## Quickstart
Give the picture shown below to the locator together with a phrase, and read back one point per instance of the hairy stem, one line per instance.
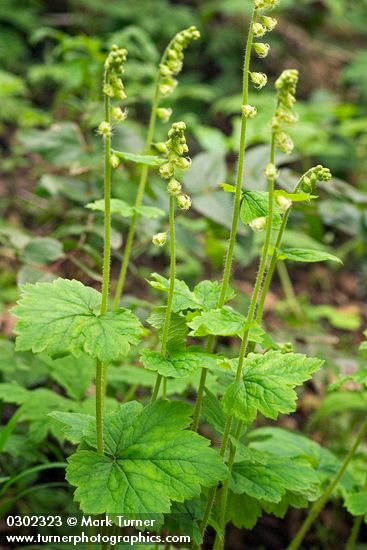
(100, 367)
(235, 216)
(172, 275)
(319, 504)
(244, 347)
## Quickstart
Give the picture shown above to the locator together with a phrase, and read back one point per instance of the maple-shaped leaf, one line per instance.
(150, 460)
(267, 385)
(63, 318)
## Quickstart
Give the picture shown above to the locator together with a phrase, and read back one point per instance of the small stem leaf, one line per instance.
(255, 204)
(125, 210)
(148, 160)
(63, 318)
(295, 197)
(267, 385)
(178, 364)
(306, 255)
(150, 460)
(208, 292)
(219, 322)
(183, 298)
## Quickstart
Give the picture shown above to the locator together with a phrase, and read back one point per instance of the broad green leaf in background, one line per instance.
(42, 250)
(220, 322)
(63, 318)
(267, 385)
(306, 255)
(177, 364)
(144, 448)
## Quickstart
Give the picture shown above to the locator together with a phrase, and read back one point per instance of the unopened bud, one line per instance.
(114, 161)
(259, 80)
(283, 203)
(118, 114)
(270, 171)
(164, 114)
(269, 22)
(258, 224)
(258, 30)
(159, 239)
(105, 129)
(249, 111)
(261, 49)
(174, 187)
(184, 202)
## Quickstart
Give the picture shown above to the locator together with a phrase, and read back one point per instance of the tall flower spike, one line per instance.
(172, 63)
(286, 86)
(175, 148)
(114, 69)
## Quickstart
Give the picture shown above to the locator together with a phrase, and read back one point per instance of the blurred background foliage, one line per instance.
(51, 62)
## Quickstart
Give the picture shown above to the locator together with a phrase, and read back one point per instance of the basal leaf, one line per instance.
(63, 318)
(255, 204)
(150, 460)
(177, 364)
(74, 424)
(294, 475)
(220, 322)
(256, 481)
(267, 385)
(242, 510)
(306, 255)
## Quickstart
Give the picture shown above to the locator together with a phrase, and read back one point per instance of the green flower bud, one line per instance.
(164, 114)
(118, 114)
(108, 90)
(269, 23)
(174, 187)
(161, 147)
(270, 171)
(286, 347)
(159, 239)
(283, 203)
(114, 161)
(284, 142)
(249, 111)
(265, 4)
(261, 49)
(105, 129)
(306, 186)
(258, 224)
(259, 80)
(184, 202)
(166, 170)
(258, 30)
